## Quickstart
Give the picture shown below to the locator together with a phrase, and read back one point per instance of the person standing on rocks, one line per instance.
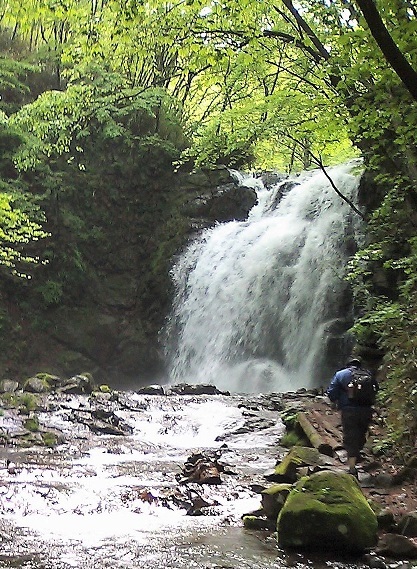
(353, 389)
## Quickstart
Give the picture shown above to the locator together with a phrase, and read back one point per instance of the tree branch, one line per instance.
(389, 48)
(322, 167)
(306, 28)
(319, 162)
(287, 38)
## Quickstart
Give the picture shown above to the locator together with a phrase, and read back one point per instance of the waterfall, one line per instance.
(256, 300)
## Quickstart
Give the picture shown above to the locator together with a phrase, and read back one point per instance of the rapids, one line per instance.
(81, 505)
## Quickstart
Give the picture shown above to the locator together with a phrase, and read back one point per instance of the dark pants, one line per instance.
(355, 424)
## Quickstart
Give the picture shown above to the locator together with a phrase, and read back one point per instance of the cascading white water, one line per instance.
(255, 299)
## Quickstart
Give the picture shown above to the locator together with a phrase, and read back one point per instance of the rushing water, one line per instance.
(256, 299)
(81, 505)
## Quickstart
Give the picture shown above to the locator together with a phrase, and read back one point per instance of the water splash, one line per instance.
(255, 299)
(87, 493)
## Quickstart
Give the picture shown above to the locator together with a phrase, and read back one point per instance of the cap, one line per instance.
(354, 362)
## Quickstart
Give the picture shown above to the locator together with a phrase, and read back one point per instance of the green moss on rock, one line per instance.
(258, 523)
(32, 424)
(37, 384)
(327, 510)
(25, 402)
(297, 457)
(273, 499)
(49, 439)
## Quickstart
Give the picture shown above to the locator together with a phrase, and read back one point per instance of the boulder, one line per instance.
(327, 511)
(78, 385)
(202, 469)
(386, 519)
(397, 546)
(43, 382)
(299, 457)
(407, 525)
(198, 389)
(151, 390)
(37, 384)
(273, 499)
(8, 386)
(228, 202)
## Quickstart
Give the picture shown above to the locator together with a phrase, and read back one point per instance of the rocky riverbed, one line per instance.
(142, 479)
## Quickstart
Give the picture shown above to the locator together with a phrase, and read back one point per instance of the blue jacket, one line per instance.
(337, 391)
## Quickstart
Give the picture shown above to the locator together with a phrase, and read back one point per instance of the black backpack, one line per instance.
(361, 389)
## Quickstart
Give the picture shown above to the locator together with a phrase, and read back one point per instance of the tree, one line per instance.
(21, 220)
(389, 48)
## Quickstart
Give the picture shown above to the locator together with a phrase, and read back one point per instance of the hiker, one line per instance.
(353, 389)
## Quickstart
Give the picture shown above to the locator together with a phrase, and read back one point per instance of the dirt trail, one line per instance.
(375, 472)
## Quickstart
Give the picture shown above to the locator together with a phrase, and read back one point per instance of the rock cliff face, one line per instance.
(108, 320)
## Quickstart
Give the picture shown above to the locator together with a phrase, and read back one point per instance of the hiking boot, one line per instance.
(353, 472)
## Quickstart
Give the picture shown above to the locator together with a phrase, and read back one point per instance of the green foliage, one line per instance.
(383, 446)
(13, 81)
(21, 220)
(238, 88)
(51, 292)
(17, 229)
(391, 326)
(290, 418)
(61, 123)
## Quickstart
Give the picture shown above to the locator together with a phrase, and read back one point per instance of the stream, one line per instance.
(101, 501)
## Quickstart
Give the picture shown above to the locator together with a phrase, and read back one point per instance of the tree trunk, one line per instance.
(388, 47)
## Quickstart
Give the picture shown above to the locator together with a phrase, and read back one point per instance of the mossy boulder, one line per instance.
(257, 523)
(298, 457)
(327, 511)
(38, 384)
(79, 384)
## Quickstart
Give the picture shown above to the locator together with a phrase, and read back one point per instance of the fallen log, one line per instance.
(324, 444)
(326, 426)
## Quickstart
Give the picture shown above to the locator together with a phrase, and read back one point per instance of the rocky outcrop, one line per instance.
(227, 203)
(44, 383)
(197, 389)
(216, 196)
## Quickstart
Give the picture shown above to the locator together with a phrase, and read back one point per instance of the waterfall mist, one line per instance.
(257, 301)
